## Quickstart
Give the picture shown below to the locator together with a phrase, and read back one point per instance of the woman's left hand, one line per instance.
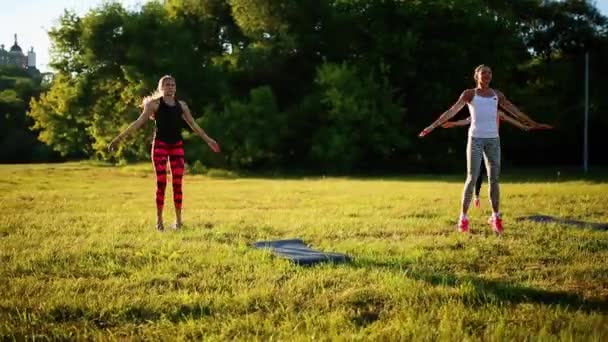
(425, 131)
(213, 145)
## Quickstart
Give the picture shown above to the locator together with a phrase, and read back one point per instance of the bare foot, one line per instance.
(160, 227)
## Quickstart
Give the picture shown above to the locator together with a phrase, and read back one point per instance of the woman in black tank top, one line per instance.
(168, 120)
(168, 114)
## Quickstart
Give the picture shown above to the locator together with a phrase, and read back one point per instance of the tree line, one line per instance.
(333, 85)
(18, 143)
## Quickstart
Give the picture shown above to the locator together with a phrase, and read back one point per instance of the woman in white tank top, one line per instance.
(484, 140)
(466, 122)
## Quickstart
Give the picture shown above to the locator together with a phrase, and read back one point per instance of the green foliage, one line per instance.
(117, 104)
(362, 123)
(251, 131)
(66, 48)
(318, 83)
(196, 168)
(17, 142)
(10, 99)
(61, 119)
(260, 17)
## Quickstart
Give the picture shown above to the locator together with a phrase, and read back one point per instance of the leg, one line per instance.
(159, 160)
(176, 159)
(479, 179)
(492, 156)
(474, 153)
(478, 185)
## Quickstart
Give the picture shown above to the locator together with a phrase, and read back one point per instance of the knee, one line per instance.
(471, 177)
(468, 180)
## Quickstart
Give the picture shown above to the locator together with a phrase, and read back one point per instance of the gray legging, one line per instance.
(478, 148)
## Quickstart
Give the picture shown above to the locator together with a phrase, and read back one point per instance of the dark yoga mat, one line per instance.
(551, 219)
(296, 251)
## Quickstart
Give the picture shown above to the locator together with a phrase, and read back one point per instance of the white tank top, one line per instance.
(484, 116)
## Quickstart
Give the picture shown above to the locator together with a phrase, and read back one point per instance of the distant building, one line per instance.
(15, 57)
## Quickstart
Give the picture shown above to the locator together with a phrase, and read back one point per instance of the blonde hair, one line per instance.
(158, 93)
(477, 69)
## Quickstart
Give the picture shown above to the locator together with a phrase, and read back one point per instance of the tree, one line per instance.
(338, 83)
(17, 142)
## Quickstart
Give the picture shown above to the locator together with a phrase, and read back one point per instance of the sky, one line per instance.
(31, 19)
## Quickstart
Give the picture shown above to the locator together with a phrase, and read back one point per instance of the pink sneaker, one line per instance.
(477, 203)
(496, 223)
(463, 225)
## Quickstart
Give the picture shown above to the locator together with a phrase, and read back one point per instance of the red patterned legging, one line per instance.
(162, 151)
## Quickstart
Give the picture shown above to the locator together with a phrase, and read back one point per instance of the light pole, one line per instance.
(586, 126)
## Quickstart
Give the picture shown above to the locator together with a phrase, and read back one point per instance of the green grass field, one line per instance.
(80, 259)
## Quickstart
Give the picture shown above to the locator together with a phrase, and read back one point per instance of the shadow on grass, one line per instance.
(491, 291)
(563, 221)
(133, 314)
(548, 174)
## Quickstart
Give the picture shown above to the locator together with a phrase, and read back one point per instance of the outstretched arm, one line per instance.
(197, 129)
(465, 97)
(149, 109)
(510, 108)
(512, 121)
(463, 122)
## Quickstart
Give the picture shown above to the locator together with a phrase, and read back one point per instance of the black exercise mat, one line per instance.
(296, 251)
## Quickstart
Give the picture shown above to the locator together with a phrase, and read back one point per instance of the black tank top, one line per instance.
(169, 122)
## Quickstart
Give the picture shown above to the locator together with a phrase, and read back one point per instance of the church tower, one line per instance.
(16, 56)
(3, 55)
(31, 58)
